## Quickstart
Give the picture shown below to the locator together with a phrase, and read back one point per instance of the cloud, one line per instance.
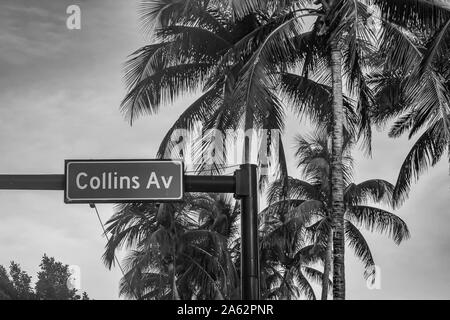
(29, 32)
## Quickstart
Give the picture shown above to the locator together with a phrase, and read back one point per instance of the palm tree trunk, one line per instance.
(337, 178)
(175, 293)
(248, 139)
(327, 265)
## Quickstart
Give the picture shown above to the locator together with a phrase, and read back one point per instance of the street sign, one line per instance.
(115, 181)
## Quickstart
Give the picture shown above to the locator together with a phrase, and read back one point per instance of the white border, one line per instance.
(179, 162)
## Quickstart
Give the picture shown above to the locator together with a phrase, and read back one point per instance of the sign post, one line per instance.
(247, 192)
(119, 181)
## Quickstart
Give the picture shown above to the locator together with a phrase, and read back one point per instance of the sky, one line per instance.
(60, 92)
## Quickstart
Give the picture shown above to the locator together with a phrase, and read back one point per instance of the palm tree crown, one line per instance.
(310, 200)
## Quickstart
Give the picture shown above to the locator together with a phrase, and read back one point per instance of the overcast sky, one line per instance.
(60, 92)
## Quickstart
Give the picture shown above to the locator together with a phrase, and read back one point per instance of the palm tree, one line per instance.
(176, 251)
(339, 28)
(310, 199)
(287, 260)
(199, 45)
(347, 38)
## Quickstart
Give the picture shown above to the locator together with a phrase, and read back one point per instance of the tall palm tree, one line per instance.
(176, 251)
(346, 37)
(311, 200)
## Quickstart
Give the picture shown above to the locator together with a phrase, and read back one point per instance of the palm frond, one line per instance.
(314, 158)
(199, 111)
(430, 100)
(296, 189)
(438, 46)
(163, 86)
(375, 190)
(304, 285)
(282, 163)
(426, 152)
(145, 61)
(163, 13)
(241, 8)
(312, 99)
(389, 95)
(193, 42)
(414, 13)
(315, 275)
(356, 241)
(399, 47)
(374, 219)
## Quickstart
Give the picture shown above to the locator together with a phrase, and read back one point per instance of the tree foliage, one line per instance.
(51, 284)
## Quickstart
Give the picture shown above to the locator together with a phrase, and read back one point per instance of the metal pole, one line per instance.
(247, 191)
(212, 184)
(223, 184)
(32, 181)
